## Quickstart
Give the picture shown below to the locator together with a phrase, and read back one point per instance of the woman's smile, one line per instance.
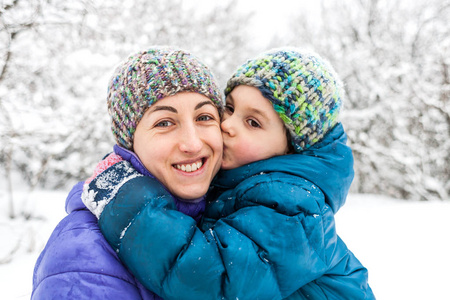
(190, 167)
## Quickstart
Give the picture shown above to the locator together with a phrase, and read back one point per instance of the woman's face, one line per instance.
(180, 142)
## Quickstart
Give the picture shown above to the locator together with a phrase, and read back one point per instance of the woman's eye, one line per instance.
(204, 118)
(253, 123)
(164, 124)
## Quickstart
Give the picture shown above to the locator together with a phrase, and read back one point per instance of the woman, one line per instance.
(165, 109)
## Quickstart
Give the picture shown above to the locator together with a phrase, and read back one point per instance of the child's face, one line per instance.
(251, 128)
(179, 141)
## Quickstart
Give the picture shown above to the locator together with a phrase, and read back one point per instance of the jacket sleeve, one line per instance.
(78, 263)
(267, 249)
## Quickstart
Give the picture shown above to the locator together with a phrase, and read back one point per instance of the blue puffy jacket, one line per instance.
(268, 233)
(310, 187)
(78, 263)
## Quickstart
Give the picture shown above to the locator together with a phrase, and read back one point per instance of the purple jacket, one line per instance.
(78, 263)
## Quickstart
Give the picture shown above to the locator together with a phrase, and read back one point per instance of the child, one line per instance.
(268, 230)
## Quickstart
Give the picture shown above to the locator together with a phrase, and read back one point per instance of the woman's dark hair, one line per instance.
(291, 149)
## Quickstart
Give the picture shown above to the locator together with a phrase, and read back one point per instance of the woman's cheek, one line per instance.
(216, 139)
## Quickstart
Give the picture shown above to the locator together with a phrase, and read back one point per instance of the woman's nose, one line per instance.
(190, 140)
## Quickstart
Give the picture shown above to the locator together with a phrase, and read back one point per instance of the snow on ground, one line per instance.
(405, 245)
(29, 237)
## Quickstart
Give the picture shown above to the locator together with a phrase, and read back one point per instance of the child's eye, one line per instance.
(164, 124)
(253, 123)
(229, 108)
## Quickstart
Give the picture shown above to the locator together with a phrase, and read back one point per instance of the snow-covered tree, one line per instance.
(55, 61)
(394, 59)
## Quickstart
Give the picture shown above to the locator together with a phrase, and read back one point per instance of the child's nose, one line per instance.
(227, 126)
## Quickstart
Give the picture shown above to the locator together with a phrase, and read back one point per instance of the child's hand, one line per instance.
(109, 175)
(107, 162)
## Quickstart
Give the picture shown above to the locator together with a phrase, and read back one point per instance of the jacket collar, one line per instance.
(328, 165)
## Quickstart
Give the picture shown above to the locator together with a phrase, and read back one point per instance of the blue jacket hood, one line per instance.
(328, 165)
(73, 200)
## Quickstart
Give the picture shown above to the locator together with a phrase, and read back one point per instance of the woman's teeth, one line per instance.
(190, 167)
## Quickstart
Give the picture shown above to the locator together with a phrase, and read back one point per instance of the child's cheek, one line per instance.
(246, 152)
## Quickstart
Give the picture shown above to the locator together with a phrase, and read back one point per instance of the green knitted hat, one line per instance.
(303, 88)
(149, 76)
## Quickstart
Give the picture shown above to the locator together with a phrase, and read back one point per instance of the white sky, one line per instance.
(269, 18)
(275, 16)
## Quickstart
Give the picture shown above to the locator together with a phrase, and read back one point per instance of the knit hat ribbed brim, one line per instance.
(149, 76)
(303, 88)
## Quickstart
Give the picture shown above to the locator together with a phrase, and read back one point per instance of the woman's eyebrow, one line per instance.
(173, 109)
(201, 104)
(164, 107)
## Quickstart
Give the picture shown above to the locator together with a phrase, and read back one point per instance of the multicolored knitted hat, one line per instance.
(303, 88)
(149, 76)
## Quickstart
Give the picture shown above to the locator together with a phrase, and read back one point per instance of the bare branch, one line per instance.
(8, 7)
